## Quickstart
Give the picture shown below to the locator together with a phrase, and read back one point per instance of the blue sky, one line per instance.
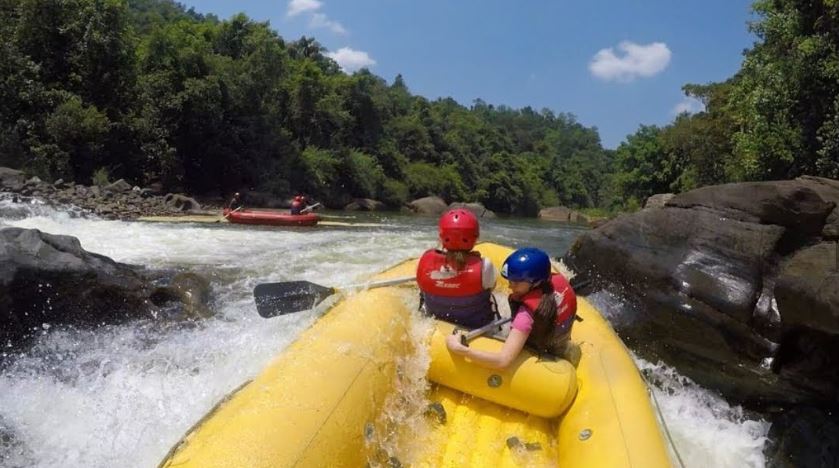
(614, 64)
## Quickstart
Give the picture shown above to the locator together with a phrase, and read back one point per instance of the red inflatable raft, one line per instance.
(270, 218)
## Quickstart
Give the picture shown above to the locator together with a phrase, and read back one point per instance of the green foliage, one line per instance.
(100, 177)
(424, 179)
(783, 102)
(394, 193)
(154, 92)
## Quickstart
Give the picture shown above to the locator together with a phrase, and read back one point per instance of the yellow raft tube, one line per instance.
(343, 395)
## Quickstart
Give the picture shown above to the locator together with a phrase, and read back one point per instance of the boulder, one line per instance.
(50, 279)
(563, 214)
(723, 280)
(428, 206)
(181, 202)
(803, 437)
(478, 209)
(120, 186)
(658, 200)
(191, 294)
(11, 179)
(365, 204)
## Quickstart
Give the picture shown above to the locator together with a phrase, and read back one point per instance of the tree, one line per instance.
(784, 98)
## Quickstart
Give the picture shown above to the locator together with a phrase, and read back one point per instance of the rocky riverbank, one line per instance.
(737, 286)
(117, 200)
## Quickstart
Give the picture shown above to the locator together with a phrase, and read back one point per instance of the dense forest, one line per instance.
(149, 91)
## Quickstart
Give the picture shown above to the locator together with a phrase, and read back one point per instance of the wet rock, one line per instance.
(807, 289)
(803, 437)
(727, 279)
(191, 291)
(49, 279)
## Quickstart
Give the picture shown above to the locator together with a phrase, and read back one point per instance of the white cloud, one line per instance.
(636, 61)
(319, 20)
(689, 105)
(295, 7)
(351, 60)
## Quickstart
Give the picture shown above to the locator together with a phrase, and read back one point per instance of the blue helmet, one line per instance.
(527, 264)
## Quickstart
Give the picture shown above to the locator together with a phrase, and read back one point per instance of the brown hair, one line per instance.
(544, 318)
(457, 258)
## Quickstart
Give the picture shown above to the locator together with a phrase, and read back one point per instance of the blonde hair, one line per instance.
(458, 258)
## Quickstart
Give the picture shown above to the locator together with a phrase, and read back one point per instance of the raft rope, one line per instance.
(661, 418)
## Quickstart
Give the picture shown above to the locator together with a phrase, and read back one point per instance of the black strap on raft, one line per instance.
(494, 305)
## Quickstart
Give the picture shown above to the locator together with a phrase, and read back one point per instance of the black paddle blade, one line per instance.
(274, 299)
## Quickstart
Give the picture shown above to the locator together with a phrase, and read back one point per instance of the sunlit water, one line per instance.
(123, 395)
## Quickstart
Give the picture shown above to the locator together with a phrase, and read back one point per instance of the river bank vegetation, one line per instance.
(151, 92)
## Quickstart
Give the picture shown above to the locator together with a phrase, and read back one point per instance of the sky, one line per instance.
(615, 65)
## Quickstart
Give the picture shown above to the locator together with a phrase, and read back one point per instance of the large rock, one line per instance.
(658, 200)
(803, 437)
(428, 206)
(119, 186)
(49, 279)
(11, 179)
(181, 202)
(189, 293)
(727, 279)
(478, 209)
(562, 214)
(365, 204)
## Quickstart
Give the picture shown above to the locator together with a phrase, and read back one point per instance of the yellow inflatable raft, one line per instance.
(346, 393)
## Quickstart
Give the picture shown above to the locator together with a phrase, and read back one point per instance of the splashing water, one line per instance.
(123, 395)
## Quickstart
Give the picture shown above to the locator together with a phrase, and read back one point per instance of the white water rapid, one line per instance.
(123, 395)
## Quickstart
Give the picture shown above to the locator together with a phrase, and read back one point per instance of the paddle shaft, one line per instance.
(382, 283)
(467, 337)
(282, 298)
(231, 212)
(310, 207)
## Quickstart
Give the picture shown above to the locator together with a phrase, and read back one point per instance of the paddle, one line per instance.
(310, 208)
(282, 298)
(224, 216)
(467, 337)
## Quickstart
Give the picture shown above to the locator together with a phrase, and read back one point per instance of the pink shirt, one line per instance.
(523, 321)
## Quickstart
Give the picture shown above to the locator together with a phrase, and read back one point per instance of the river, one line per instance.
(123, 395)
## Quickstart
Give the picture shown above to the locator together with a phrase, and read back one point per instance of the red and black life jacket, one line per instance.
(566, 302)
(456, 296)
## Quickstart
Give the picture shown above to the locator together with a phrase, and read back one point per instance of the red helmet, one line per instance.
(459, 229)
(298, 198)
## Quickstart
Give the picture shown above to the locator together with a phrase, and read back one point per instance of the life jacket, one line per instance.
(456, 296)
(296, 205)
(566, 303)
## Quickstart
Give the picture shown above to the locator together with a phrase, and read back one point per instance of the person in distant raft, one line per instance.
(544, 307)
(297, 204)
(456, 283)
(235, 202)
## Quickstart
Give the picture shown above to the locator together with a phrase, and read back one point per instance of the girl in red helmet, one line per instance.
(455, 282)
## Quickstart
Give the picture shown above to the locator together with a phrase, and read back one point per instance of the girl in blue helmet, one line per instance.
(543, 305)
